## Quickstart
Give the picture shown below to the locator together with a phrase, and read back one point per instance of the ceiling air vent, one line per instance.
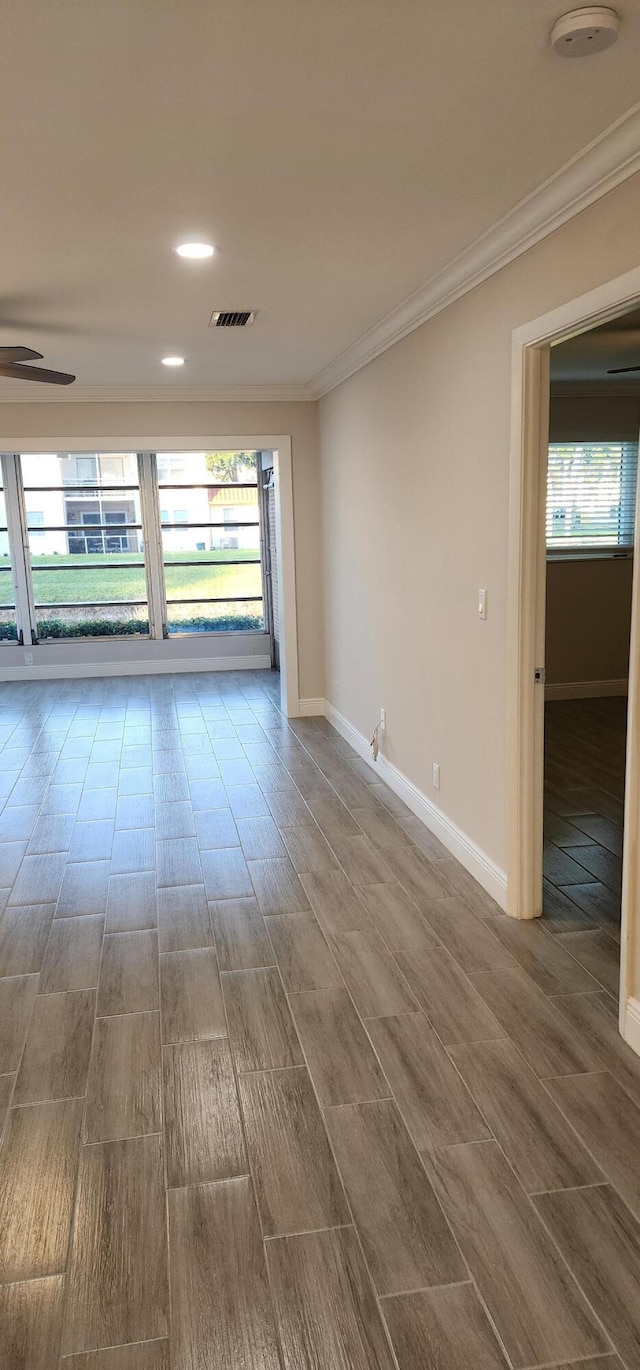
(232, 318)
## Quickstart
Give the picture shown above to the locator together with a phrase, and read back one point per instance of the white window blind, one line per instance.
(591, 497)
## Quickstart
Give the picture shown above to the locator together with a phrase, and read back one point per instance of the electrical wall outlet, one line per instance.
(28, 658)
(482, 603)
(435, 775)
(383, 718)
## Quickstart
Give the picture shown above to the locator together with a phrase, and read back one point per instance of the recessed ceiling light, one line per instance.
(173, 361)
(197, 251)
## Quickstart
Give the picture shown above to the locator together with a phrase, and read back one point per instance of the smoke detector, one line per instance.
(583, 32)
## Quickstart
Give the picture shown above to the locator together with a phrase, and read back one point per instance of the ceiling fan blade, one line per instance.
(619, 370)
(19, 354)
(34, 373)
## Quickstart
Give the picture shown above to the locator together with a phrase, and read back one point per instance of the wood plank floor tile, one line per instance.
(561, 914)
(308, 850)
(90, 841)
(260, 839)
(56, 1054)
(447, 996)
(183, 918)
(24, 933)
(72, 959)
(469, 939)
(362, 863)
(146, 1355)
(6, 1090)
(297, 1184)
(595, 1020)
(600, 905)
(31, 1323)
(134, 811)
(598, 954)
(600, 1239)
(605, 831)
(120, 1230)
(178, 861)
(17, 997)
(371, 974)
(38, 1165)
(220, 1305)
(84, 889)
(325, 1305)
(420, 877)
(39, 879)
(406, 1240)
(246, 801)
(444, 1328)
(240, 934)
(381, 828)
(398, 919)
(609, 1123)
(335, 902)
(190, 996)
(128, 974)
(436, 1106)
(602, 865)
(125, 1078)
(542, 957)
(343, 1065)
(277, 887)
(560, 868)
(226, 875)
(544, 1152)
(203, 1131)
(131, 902)
(535, 1304)
(532, 1021)
(11, 854)
(333, 818)
(174, 820)
(261, 1030)
(290, 810)
(462, 883)
(303, 956)
(215, 828)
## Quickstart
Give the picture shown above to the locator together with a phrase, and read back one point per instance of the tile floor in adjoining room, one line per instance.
(282, 1086)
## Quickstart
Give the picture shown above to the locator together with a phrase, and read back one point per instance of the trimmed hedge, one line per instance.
(106, 627)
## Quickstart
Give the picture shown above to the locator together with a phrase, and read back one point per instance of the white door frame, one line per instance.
(280, 444)
(526, 631)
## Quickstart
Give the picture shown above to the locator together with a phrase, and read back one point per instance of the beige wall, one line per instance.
(415, 453)
(589, 602)
(106, 423)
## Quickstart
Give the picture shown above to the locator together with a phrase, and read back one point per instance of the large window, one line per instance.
(87, 561)
(8, 623)
(591, 498)
(113, 544)
(210, 523)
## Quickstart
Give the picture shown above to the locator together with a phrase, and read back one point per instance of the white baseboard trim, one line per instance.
(492, 878)
(311, 708)
(85, 670)
(586, 689)
(631, 1032)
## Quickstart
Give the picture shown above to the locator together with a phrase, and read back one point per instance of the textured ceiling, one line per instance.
(339, 154)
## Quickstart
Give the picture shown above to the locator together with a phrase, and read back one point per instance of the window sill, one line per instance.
(591, 554)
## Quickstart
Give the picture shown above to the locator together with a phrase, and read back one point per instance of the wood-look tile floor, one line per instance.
(279, 1085)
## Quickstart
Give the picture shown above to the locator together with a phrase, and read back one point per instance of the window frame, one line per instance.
(600, 550)
(151, 533)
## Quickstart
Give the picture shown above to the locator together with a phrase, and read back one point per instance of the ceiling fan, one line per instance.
(619, 370)
(11, 365)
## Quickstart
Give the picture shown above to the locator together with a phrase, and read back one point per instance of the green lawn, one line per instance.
(89, 584)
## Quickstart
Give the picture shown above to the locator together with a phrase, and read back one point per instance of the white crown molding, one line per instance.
(585, 390)
(28, 392)
(600, 167)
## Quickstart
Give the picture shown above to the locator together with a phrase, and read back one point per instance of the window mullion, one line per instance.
(153, 544)
(19, 548)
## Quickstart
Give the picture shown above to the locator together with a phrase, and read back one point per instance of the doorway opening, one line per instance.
(574, 768)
